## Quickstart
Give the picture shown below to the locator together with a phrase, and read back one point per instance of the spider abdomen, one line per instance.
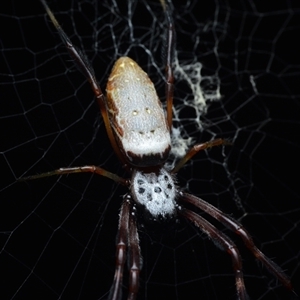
(136, 115)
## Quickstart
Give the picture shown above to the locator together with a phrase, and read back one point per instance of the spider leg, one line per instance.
(237, 228)
(195, 149)
(121, 245)
(89, 73)
(134, 257)
(222, 241)
(168, 68)
(83, 169)
(127, 237)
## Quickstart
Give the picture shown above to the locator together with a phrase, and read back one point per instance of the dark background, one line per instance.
(58, 233)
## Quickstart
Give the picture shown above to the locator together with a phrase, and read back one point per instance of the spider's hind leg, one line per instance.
(196, 148)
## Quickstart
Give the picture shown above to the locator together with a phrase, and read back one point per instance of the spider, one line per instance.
(139, 133)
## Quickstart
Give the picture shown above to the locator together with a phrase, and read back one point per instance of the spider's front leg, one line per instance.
(127, 238)
(225, 243)
(237, 228)
(121, 247)
(134, 256)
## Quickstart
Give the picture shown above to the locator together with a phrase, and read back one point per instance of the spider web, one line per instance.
(236, 73)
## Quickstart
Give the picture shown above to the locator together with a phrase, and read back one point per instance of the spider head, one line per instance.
(155, 191)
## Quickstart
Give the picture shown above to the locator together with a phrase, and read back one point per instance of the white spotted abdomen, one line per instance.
(136, 115)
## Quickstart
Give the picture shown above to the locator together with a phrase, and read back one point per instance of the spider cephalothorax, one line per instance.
(155, 191)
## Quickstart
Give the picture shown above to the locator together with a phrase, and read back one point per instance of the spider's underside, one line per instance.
(133, 115)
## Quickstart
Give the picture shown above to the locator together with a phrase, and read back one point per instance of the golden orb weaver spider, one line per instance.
(140, 136)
